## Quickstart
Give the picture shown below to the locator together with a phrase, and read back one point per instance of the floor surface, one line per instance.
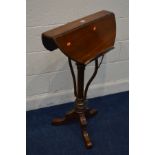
(109, 129)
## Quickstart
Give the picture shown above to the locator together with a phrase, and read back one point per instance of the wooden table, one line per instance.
(82, 41)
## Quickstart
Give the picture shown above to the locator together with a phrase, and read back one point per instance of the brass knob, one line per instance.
(68, 43)
(82, 21)
(94, 28)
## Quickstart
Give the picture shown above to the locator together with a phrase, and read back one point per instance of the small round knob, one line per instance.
(68, 44)
(82, 21)
(94, 28)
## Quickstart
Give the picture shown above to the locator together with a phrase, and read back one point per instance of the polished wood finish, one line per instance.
(80, 112)
(82, 40)
(85, 39)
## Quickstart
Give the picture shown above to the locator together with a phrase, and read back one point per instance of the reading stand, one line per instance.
(82, 41)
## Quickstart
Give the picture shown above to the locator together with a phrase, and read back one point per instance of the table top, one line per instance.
(84, 39)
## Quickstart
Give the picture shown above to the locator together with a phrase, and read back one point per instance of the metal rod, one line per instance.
(73, 76)
(91, 79)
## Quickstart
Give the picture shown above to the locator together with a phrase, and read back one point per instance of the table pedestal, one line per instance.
(80, 112)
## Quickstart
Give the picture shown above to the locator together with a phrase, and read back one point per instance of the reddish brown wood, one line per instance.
(85, 39)
(80, 112)
(82, 40)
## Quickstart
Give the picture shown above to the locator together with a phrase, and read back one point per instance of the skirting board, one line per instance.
(50, 99)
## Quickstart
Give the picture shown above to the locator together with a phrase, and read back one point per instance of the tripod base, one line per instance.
(82, 118)
(81, 112)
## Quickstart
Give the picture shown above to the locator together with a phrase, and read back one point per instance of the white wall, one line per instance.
(49, 80)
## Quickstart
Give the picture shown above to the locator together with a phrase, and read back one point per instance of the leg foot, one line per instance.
(83, 123)
(87, 140)
(91, 112)
(59, 121)
(68, 116)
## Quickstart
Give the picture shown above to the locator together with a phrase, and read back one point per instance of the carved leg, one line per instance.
(83, 124)
(68, 117)
(91, 112)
